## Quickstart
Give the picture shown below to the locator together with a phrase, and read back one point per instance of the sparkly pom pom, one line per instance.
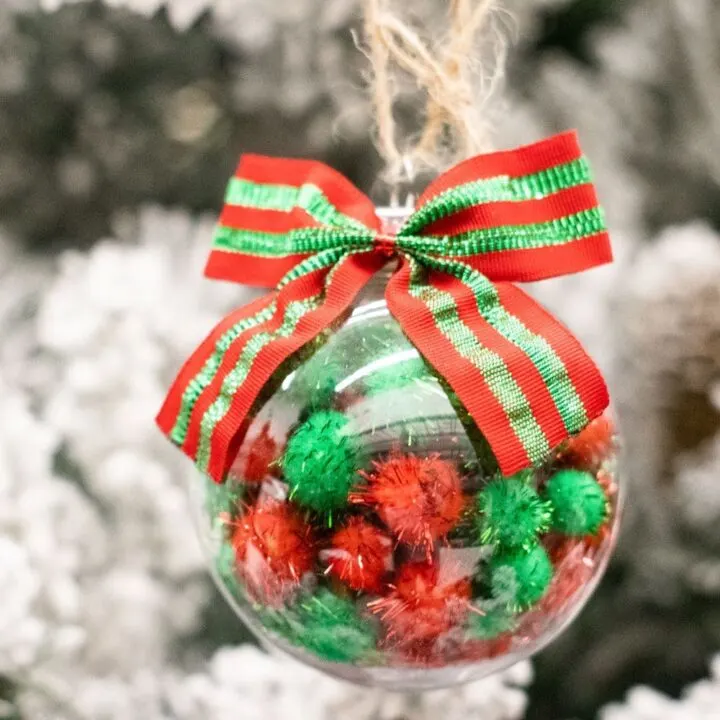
(419, 498)
(520, 576)
(396, 375)
(321, 462)
(314, 384)
(222, 499)
(512, 515)
(589, 447)
(486, 622)
(331, 628)
(361, 555)
(423, 604)
(573, 571)
(225, 565)
(273, 548)
(579, 504)
(261, 454)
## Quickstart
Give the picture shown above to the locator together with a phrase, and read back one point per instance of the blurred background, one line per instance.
(120, 122)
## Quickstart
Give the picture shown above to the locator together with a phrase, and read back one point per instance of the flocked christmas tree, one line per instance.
(83, 607)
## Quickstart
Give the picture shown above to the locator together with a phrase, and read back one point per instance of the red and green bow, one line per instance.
(521, 215)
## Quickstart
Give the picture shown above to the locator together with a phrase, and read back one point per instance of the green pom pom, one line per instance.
(512, 514)
(314, 383)
(278, 621)
(494, 621)
(520, 577)
(579, 504)
(395, 376)
(331, 628)
(321, 462)
(225, 565)
(222, 497)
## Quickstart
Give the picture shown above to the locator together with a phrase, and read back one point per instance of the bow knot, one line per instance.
(385, 244)
(516, 216)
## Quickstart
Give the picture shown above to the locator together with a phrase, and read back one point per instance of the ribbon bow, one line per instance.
(521, 215)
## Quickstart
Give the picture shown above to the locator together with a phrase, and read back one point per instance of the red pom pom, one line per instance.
(274, 548)
(422, 605)
(361, 555)
(419, 499)
(256, 463)
(590, 447)
(478, 650)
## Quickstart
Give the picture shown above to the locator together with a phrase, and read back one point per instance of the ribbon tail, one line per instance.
(522, 377)
(198, 370)
(213, 406)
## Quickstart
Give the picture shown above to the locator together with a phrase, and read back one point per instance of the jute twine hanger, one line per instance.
(448, 71)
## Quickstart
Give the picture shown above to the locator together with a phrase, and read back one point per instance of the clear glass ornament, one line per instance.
(365, 528)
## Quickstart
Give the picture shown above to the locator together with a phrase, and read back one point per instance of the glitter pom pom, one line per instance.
(361, 555)
(588, 448)
(512, 515)
(321, 462)
(314, 383)
(331, 628)
(521, 576)
(579, 504)
(488, 621)
(422, 604)
(273, 547)
(572, 573)
(396, 375)
(419, 499)
(261, 454)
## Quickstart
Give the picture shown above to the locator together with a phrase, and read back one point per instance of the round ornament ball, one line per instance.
(366, 527)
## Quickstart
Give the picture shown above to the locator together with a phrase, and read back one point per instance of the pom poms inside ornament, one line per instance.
(588, 448)
(419, 498)
(321, 462)
(521, 576)
(332, 628)
(578, 502)
(274, 547)
(423, 604)
(258, 462)
(360, 555)
(356, 536)
(512, 514)
(487, 622)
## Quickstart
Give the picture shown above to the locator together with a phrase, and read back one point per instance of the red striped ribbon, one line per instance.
(521, 215)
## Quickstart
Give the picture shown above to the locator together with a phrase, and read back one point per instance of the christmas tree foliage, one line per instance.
(120, 122)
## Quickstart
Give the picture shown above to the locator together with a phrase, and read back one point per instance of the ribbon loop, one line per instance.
(520, 215)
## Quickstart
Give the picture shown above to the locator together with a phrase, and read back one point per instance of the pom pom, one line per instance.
(321, 461)
(314, 383)
(256, 464)
(422, 604)
(479, 650)
(222, 499)
(490, 621)
(361, 555)
(512, 515)
(395, 376)
(331, 628)
(419, 499)
(588, 448)
(225, 564)
(579, 504)
(273, 547)
(520, 577)
(573, 571)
